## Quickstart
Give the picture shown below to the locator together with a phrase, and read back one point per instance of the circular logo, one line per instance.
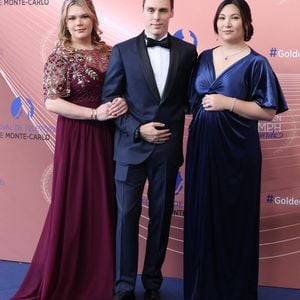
(46, 182)
(17, 106)
(188, 36)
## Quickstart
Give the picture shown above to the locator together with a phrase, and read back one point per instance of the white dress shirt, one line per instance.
(160, 60)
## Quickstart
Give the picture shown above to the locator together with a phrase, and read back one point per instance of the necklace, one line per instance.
(233, 54)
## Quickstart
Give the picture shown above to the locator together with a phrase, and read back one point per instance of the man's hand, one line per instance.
(155, 132)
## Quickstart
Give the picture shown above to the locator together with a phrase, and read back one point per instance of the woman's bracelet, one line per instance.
(93, 114)
(232, 104)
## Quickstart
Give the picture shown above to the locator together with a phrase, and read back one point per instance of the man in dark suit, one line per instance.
(151, 71)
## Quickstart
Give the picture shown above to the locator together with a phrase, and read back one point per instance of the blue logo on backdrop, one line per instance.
(186, 36)
(179, 184)
(27, 131)
(16, 108)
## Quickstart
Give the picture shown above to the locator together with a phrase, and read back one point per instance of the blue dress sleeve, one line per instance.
(266, 90)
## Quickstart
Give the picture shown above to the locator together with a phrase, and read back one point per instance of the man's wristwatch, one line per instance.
(137, 134)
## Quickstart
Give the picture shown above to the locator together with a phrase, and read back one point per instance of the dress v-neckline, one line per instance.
(215, 77)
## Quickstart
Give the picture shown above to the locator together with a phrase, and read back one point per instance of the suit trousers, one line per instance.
(161, 173)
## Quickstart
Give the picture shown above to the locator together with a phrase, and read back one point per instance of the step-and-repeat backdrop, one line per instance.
(28, 32)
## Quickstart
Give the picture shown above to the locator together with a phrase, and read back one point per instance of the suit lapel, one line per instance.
(146, 66)
(148, 71)
(172, 72)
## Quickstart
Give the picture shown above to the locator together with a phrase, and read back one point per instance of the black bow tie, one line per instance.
(162, 43)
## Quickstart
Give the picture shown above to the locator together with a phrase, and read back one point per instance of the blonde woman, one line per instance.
(74, 259)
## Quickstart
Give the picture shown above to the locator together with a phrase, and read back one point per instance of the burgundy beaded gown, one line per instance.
(74, 259)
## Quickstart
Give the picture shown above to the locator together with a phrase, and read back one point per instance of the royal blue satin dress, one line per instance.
(222, 187)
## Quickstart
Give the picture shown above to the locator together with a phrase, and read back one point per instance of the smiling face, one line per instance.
(157, 14)
(80, 25)
(230, 24)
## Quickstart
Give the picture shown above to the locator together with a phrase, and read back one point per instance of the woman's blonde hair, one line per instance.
(88, 6)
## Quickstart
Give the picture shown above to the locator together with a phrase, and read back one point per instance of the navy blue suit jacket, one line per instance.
(130, 75)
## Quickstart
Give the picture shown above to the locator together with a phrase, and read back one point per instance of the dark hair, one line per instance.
(171, 3)
(245, 12)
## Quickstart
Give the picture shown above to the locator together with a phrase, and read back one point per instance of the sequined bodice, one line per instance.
(76, 75)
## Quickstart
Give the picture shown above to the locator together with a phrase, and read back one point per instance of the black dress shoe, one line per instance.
(151, 294)
(124, 296)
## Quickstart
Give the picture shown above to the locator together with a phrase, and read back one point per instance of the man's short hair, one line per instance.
(171, 3)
